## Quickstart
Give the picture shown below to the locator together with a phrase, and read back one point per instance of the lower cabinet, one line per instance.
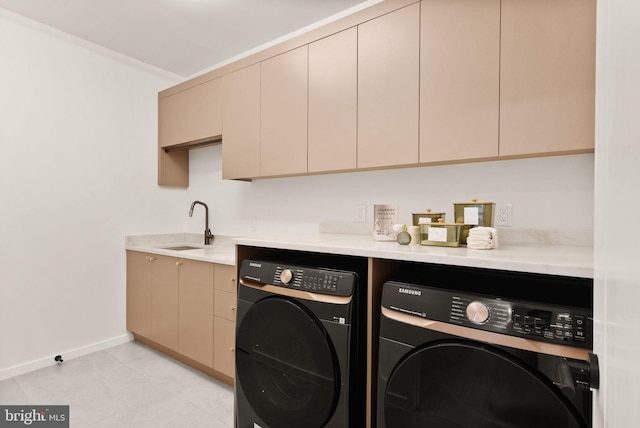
(224, 346)
(152, 298)
(164, 301)
(195, 307)
(224, 320)
(185, 306)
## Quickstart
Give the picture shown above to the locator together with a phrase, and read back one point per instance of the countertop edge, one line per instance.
(221, 252)
(571, 261)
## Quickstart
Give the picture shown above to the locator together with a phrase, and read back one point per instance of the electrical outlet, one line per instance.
(362, 213)
(505, 215)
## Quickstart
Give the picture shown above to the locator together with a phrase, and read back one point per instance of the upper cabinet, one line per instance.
(388, 88)
(283, 113)
(459, 79)
(333, 101)
(186, 117)
(241, 119)
(400, 83)
(547, 77)
(192, 115)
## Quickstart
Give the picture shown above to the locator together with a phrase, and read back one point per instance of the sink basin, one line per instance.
(182, 248)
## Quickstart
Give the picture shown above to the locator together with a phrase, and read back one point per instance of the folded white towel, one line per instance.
(482, 238)
(480, 245)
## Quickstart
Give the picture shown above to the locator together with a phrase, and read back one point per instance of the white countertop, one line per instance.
(222, 251)
(576, 261)
(573, 261)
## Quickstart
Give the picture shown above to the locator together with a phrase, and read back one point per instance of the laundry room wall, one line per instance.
(78, 145)
(552, 197)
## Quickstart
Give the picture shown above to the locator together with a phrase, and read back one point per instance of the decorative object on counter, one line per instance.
(414, 231)
(427, 217)
(441, 234)
(403, 236)
(384, 217)
(482, 238)
(472, 214)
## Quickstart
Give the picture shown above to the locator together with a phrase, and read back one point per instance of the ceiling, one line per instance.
(180, 36)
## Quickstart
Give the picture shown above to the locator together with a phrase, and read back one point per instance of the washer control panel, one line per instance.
(530, 319)
(554, 325)
(569, 326)
(314, 280)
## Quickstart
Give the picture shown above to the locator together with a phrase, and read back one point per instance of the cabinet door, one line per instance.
(547, 77)
(241, 121)
(333, 98)
(195, 313)
(283, 114)
(164, 301)
(388, 89)
(225, 305)
(225, 278)
(139, 293)
(224, 346)
(459, 79)
(192, 115)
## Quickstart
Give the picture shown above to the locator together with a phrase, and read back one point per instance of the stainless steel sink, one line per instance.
(182, 248)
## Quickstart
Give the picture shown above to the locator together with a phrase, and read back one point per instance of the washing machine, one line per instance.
(485, 349)
(300, 345)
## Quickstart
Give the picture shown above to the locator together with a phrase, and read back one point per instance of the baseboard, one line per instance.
(66, 355)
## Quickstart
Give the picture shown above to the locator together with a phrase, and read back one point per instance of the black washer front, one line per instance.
(460, 384)
(286, 364)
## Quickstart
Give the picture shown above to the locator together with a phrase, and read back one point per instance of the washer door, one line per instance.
(466, 384)
(286, 365)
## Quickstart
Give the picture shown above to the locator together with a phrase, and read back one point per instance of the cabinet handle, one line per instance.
(178, 263)
(233, 280)
(233, 308)
(232, 349)
(150, 258)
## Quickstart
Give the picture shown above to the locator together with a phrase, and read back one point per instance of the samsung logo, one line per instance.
(409, 291)
(256, 265)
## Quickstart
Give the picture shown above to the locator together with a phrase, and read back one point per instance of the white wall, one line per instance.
(617, 278)
(552, 198)
(77, 172)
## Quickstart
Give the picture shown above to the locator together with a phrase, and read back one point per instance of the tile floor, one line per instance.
(129, 385)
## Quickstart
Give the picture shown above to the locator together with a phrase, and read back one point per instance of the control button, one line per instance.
(286, 276)
(477, 312)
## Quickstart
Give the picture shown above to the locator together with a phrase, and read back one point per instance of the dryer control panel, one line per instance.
(314, 280)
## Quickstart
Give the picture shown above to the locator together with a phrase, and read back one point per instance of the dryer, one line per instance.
(300, 346)
(473, 348)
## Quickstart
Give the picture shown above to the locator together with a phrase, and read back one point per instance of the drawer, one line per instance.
(225, 278)
(224, 346)
(224, 305)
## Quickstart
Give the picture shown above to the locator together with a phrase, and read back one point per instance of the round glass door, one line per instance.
(461, 385)
(286, 365)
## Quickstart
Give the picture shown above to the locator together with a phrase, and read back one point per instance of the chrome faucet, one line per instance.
(208, 236)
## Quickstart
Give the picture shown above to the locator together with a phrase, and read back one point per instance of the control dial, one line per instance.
(286, 276)
(477, 312)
